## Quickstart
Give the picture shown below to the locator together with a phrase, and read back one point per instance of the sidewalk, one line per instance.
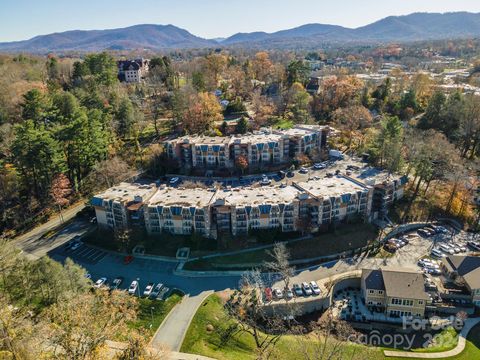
(172, 331)
(462, 340)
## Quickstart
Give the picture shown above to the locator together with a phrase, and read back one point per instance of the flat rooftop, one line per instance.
(265, 195)
(170, 196)
(127, 192)
(331, 187)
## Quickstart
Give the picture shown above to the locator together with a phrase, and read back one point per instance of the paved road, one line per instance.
(36, 245)
(173, 330)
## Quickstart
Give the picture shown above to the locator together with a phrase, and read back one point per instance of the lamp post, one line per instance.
(138, 286)
(151, 313)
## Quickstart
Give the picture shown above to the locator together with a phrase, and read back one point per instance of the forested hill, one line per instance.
(413, 27)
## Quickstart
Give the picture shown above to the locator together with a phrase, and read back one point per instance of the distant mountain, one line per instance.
(413, 27)
(422, 26)
(146, 36)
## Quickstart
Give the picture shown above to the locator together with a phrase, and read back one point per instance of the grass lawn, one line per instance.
(152, 312)
(284, 124)
(199, 340)
(343, 239)
(242, 346)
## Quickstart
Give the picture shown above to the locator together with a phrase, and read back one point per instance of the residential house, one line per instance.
(397, 292)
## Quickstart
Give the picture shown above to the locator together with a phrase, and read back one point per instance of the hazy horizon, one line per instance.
(207, 18)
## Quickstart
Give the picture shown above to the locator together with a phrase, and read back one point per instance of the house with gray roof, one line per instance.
(395, 291)
(464, 270)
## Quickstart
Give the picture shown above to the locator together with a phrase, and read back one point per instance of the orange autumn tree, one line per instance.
(202, 112)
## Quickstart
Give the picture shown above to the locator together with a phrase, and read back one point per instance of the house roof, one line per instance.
(373, 279)
(397, 282)
(466, 266)
(404, 283)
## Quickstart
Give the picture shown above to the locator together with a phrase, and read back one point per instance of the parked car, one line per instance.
(156, 291)
(288, 294)
(319, 166)
(133, 287)
(303, 170)
(290, 174)
(441, 229)
(174, 180)
(307, 290)
(277, 293)
(297, 289)
(100, 282)
(446, 249)
(117, 282)
(423, 233)
(282, 174)
(268, 294)
(456, 248)
(315, 288)
(265, 180)
(474, 245)
(75, 245)
(463, 248)
(148, 289)
(391, 248)
(127, 259)
(436, 253)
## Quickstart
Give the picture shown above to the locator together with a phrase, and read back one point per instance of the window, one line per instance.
(371, 291)
(370, 303)
(380, 292)
(420, 302)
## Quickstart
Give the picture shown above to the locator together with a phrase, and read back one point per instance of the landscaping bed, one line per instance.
(346, 238)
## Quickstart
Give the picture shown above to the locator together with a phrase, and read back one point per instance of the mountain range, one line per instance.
(407, 28)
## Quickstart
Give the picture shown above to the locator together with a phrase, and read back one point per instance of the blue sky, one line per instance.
(23, 19)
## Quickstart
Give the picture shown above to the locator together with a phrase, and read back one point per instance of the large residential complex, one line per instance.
(304, 206)
(260, 148)
(397, 292)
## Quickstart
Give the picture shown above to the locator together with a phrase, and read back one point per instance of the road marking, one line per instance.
(89, 253)
(99, 256)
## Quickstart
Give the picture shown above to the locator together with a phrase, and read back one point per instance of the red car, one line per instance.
(268, 294)
(127, 259)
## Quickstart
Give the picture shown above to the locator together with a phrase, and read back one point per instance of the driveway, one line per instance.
(174, 328)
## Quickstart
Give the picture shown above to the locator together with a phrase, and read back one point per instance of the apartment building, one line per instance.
(132, 70)
(305, 206)
(261, 148)
(397, 292)
(122, 206)
(179, 211)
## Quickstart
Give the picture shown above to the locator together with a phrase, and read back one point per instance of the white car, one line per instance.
(319, 166)
(436, 253)
(446, 249)
(277, 293)
(148, 289)
(265, 180)
(75, 245)
(133, 287)
(307, 290)
(100, 282)
(174, 180)
(303, 170)
(315, 288)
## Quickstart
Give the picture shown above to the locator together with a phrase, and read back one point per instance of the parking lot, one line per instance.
(276, 179)
(84, 254)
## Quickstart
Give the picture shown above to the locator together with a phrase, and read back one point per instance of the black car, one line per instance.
(282, 174)
(290, 174)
